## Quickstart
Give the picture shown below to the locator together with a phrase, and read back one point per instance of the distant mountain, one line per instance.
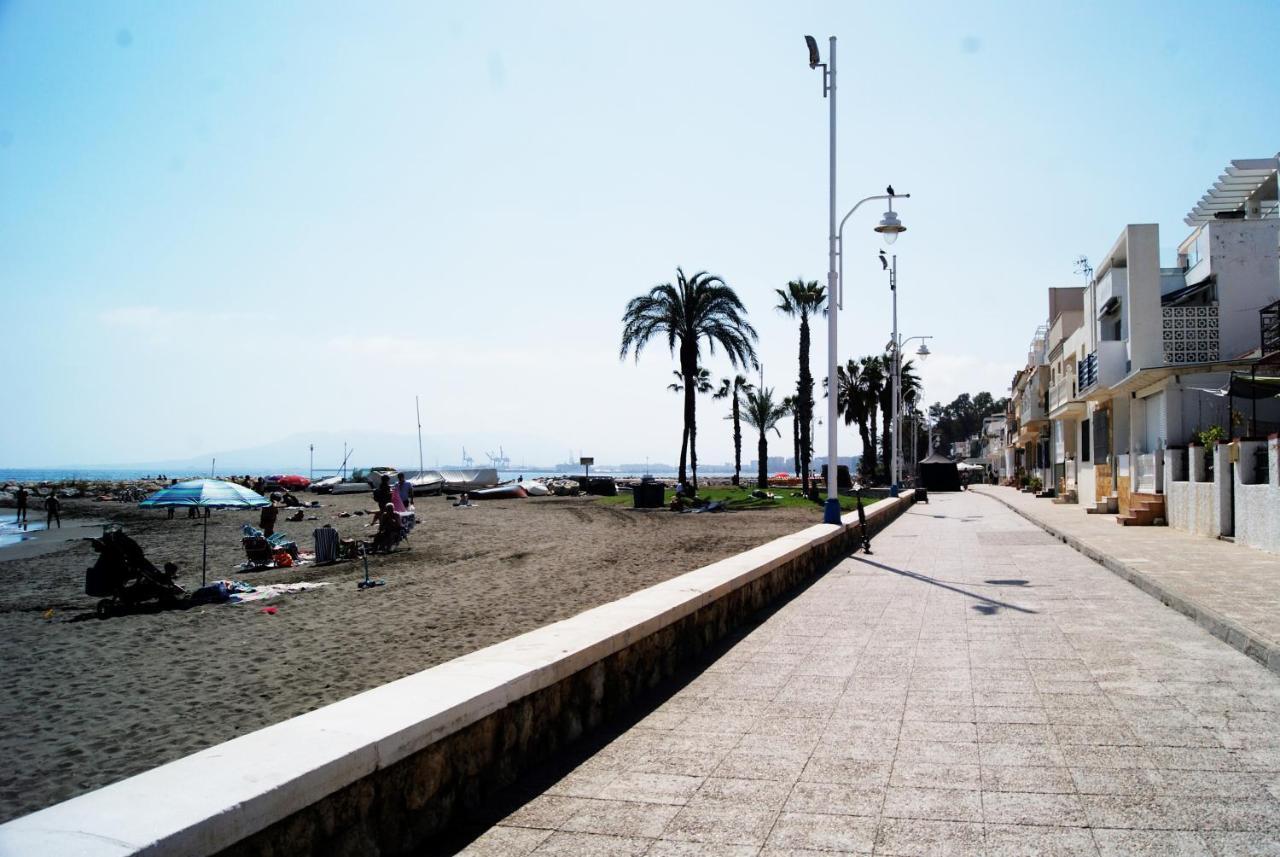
(371, 449)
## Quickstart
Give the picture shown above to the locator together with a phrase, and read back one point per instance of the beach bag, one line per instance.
(282, 559)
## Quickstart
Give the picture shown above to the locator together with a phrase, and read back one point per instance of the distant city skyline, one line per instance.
(228, 224)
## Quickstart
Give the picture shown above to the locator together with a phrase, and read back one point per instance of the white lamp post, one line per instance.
(889, 227)
(895, 346)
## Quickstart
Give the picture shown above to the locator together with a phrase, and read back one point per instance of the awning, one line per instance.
(1242, 180)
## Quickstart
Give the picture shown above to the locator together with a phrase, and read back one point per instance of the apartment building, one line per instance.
(1141, 360)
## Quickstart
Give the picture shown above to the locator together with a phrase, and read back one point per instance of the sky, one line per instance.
(223, 224)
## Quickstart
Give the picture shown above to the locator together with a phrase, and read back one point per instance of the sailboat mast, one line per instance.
(417, 410)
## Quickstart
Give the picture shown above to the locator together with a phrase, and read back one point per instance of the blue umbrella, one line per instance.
(207, 494)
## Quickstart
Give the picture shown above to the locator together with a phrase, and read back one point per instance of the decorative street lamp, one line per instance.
(890, 227)
(895, 346)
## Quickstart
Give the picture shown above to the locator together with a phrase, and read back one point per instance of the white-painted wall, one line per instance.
(1257, 506)
(1243, 256)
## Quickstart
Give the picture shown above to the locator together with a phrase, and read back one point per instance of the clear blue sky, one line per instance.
(224, 223)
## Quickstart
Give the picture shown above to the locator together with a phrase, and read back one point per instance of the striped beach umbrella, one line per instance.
(207, 494)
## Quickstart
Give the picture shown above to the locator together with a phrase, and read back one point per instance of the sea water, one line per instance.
(92, 474)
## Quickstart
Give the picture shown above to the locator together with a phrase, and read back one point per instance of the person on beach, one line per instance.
(382, 494)
(405, 489)
(21, 498)
(267, 521)
(52, 509)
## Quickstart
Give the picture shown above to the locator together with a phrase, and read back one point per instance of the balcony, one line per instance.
(1063, 401)
(1032, 408)
(1189, 334)
(1103, 369)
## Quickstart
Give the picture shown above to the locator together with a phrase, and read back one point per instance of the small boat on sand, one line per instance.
(501, 492)
(535, 489)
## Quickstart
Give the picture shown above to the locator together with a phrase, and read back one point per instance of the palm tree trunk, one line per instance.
(684, 449)
(805, 397)
(795, 439)
(737, 441)
(689, 368)
(762, 450)
(874, 440)
(868, 463)
(886, 442)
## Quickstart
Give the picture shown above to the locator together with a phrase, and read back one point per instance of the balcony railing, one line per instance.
(1269, 316)
(1190, 334)
(1087, 372)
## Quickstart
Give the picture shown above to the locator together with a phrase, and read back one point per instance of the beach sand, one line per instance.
(87, 702)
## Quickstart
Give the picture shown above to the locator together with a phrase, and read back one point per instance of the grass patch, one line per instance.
(740, 498)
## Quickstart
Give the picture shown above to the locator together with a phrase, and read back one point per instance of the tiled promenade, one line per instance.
(974, 687)
(1229, 588)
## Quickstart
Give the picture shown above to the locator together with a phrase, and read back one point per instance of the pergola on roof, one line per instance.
(1242, 180)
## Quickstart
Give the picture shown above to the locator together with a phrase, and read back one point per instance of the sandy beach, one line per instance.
(88, 702)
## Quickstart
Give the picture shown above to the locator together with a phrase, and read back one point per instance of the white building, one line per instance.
(1156, 340)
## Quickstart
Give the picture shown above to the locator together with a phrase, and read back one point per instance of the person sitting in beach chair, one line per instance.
(390, 531)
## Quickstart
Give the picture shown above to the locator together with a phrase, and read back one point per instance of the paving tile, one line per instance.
(546, 811)
(1009, 778)
(505, 842)
(759, 795)
(868, 773)
(1242, 844)
(913, 837)
(1032, 808)
(680, 848)
(847, 833)
(1047, 840)
(1023, 755)
(592, 845)
(1117, 781)
(931, 775)
(651, 788)
(620, 818)
(835, 799)
(745, 764)
(725, 825)
(936, 804)
(1151, 843)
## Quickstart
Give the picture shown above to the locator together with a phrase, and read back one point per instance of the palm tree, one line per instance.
(762, 413)
(871, 382)
(702, 384)
(735, 387)
(697, 308)
(790, 404)
(852, 404)
(909, 388)
(800, 300)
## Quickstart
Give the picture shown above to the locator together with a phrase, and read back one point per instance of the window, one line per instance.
(1084, 440)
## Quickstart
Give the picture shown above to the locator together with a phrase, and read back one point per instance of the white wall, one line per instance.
(1143, 315)
(1257, 506)
(1244, 256)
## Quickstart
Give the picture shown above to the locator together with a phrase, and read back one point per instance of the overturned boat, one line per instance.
(453, 481)
(512, 491)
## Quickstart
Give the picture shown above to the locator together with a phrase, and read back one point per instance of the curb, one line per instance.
(1230, 632)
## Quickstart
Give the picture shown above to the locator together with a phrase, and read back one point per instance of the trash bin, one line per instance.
(648, 494)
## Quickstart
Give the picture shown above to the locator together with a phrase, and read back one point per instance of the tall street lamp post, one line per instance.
(889, 227)
(895, 347)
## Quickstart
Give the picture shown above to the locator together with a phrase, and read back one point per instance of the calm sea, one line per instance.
(89, 474)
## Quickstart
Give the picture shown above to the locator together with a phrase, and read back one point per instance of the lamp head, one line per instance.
(814, 58)
(924, 351)
(890, 227)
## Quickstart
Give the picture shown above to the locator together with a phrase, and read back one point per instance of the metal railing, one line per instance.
(1087, 372)
(1269, 319)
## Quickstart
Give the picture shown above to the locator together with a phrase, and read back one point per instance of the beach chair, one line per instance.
(258, 552)
(327, 541)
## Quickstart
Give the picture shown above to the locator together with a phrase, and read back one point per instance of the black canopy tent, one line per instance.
(939, 473)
